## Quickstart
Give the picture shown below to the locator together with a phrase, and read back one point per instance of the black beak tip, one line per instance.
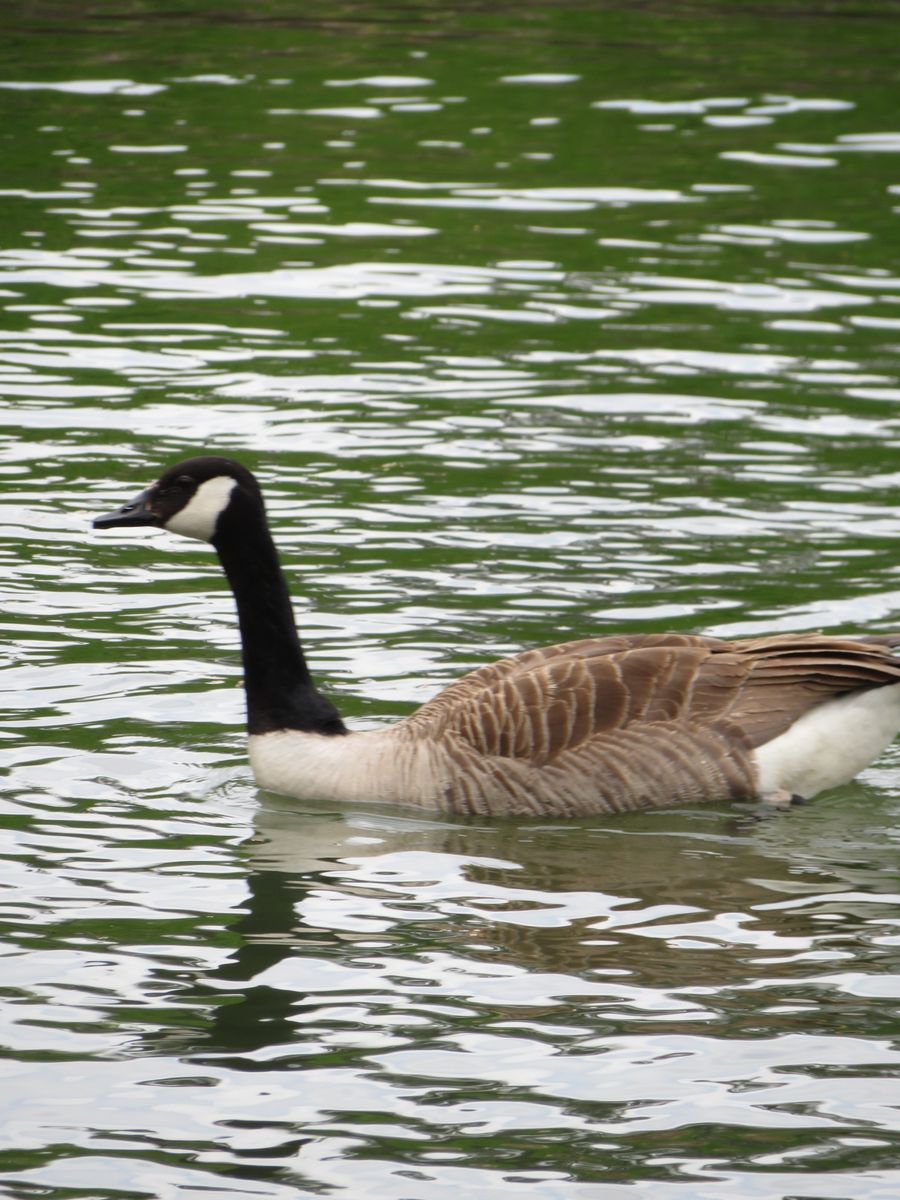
(135, 512)
(107, 522)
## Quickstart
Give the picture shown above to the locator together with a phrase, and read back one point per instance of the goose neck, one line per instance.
(279, 688)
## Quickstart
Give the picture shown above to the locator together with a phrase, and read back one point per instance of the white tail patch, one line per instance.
(197, 519)
(831, 744)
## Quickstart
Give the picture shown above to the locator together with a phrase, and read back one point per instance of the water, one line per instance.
(535, 322)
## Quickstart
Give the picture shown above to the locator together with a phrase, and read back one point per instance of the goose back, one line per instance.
(609, 724)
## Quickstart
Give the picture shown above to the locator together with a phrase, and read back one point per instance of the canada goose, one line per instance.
(594, 726)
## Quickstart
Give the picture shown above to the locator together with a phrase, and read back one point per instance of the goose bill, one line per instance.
(138, 511)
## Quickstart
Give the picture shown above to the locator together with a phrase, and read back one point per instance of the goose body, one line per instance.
(594, 726)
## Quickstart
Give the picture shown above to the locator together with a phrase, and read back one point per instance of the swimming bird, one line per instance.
(600, 725)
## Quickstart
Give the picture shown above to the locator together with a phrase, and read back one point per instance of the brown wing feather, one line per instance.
(791, 675)
(457, 694)
(540, 704)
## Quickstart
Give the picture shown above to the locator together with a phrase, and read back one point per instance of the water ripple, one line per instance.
(527, 337)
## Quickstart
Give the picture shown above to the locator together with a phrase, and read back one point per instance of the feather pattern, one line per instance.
(609, 724)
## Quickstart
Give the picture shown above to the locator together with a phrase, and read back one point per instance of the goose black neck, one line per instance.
(280, 690)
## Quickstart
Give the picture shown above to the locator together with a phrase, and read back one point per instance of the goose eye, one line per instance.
(184, 481)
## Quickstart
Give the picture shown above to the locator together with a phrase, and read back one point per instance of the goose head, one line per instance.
(196, 498)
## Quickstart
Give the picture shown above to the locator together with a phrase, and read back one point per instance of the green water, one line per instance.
(536, 321)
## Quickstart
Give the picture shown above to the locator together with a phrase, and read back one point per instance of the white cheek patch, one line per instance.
(199, 516)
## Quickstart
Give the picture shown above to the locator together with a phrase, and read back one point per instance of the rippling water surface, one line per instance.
(535, 321)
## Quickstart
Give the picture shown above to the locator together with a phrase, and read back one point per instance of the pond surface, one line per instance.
(536, 320)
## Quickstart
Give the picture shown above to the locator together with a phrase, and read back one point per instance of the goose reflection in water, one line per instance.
(552, 917)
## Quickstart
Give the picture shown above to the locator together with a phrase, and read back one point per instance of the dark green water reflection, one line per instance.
(536, 320)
